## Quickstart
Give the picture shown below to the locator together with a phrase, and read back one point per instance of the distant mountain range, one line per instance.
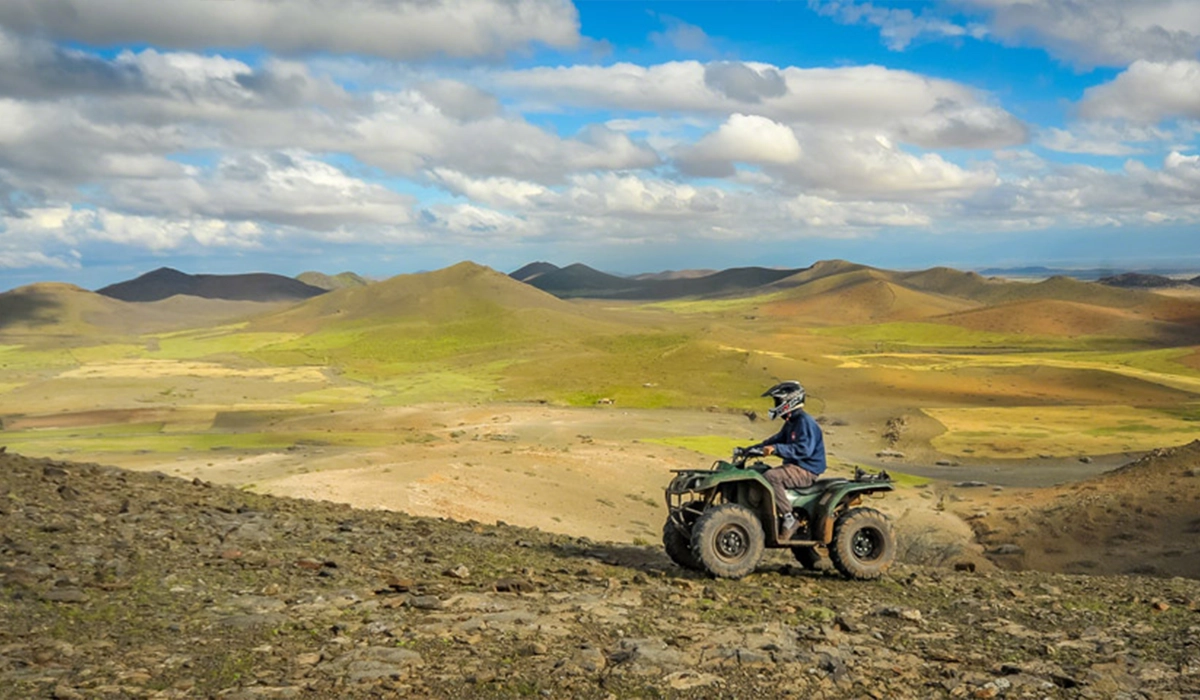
(1160, 278)
(579, 280)
(166, 282)
(470, 306)
(1135, 280)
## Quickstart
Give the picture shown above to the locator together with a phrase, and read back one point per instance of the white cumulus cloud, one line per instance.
(743, 138)
(1147, 92)
(1098, 32)
(931, 112)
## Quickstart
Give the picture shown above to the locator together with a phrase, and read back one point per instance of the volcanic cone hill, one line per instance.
(462, 314)
(461, 292)
(579, 280)
(533, 270)
(460, 324)
(117, 584)
(166, 282)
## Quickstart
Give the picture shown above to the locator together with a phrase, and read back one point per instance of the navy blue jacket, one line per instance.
(800, 442)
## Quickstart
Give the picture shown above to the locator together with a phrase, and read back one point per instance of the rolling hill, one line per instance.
(331, 282)
(579, 280)
(64, 312)
(1067, 319)
(673, 274)
(744, 280)
(860, 297)
(54, 308)
(166, 282)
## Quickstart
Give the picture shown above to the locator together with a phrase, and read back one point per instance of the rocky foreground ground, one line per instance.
(116, 584)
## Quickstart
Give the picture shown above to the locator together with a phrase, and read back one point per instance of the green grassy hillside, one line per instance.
(470, 332)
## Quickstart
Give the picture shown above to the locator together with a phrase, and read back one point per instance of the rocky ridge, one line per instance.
(117, 584)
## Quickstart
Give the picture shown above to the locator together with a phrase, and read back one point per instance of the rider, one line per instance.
(800, 444)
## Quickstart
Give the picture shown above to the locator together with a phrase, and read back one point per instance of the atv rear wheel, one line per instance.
(812, 558)
(678, 542)
(728, 541)
(863, 545)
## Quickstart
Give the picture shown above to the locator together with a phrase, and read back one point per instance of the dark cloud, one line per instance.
(738, 81)
(38, 71)
(459, 100)
(951, 124)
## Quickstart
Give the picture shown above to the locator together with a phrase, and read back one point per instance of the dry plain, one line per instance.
(465, 394)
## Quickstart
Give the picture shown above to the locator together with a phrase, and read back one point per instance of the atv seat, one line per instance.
(817, 487)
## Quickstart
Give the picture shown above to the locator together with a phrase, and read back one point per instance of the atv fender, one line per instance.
(734, 481)
(848, 494)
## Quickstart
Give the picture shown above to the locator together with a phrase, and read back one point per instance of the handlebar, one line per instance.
(741, 454)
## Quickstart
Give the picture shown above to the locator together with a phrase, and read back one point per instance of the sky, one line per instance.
(394, 136)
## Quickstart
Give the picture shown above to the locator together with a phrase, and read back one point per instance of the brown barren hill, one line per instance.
(53, 307)
(55, 310)
(860, 296)
(1065, 318)
(821, 270)
(1141, 518)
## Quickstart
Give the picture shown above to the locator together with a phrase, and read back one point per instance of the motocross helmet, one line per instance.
(788, 396)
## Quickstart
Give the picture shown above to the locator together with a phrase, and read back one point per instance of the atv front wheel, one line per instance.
(728, 540)
(863, 545)
(678, 542)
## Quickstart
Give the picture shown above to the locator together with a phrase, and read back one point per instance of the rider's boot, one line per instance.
(787, 527)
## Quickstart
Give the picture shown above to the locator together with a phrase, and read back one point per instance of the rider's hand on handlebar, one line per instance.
(768, 450)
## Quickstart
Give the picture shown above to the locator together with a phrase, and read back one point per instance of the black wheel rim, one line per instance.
(732, 542)
(866, 544)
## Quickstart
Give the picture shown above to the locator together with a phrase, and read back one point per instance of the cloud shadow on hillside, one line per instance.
(32, 308)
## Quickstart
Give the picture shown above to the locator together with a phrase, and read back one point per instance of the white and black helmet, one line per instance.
(788, 396)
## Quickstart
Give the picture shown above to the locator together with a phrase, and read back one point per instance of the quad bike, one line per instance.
(720, 520)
